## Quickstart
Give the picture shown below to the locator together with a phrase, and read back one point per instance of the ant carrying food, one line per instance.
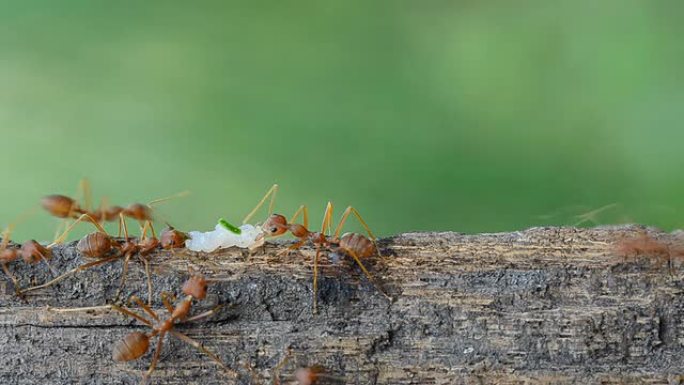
(136, 344)
(102, 247)
(354, 245)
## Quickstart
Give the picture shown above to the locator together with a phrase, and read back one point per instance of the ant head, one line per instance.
(195, 286)
(32, 252)
(172, 239)
(9, 255)
(58, 205)
(138, 211)
(275, 225)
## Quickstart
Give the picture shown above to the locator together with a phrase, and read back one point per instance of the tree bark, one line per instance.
(545, 305)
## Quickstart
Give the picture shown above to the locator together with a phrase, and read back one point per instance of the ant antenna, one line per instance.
(591, 215)
(272, 193)
(181, 194)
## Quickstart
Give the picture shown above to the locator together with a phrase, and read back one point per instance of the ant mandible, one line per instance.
(355, 245)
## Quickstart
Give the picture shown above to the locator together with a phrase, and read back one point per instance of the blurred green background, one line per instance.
(425, 115)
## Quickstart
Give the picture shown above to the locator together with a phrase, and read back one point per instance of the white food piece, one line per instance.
(221, 238)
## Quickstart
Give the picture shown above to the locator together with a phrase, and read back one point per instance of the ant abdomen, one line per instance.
(95, 245)
(359, 244)
(132, 347)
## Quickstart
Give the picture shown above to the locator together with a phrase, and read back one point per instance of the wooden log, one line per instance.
(541, 306)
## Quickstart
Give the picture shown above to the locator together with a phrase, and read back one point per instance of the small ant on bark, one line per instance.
(308, 375)
(136, 344)
(644, 244)
(30, 251)
(354, 245)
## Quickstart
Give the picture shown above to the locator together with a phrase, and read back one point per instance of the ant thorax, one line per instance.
(221, 238)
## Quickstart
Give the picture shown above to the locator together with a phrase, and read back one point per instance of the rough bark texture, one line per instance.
(546, 305)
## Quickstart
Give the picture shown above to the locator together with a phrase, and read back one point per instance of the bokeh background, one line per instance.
(426, 115)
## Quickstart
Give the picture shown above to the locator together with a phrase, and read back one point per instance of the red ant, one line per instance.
(644, 244)
(62, 206)
(309, 375)
(30, 251)
(136, 344)
(101, 246)
(356, 246)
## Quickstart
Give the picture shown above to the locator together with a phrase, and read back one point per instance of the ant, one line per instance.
(136, 344)
(104, 248)
(309, 375)
(30, 251)
(645, 244)
(62, 206)
(354, 245)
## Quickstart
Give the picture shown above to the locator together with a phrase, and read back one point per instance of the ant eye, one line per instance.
(274, 229)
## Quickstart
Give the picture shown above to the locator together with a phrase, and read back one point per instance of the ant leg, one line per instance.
(280, 365)
(272, 193)
(84, 188)
(66, 232)
(343, 219)
(591, 216)
(366, 272)
(146, 308)
(15, 282)
(202, 349)
(327, 218)
(72, 272)
(146, 263)
(124, 273)
(155, 358)
(64, 223)
(123, 225)
(129, 313)
(104, 204)
(154, 234)
(144, 225)
(206, 314)
(165, 295)
(301, 210)
(315, 279)
(47, 263)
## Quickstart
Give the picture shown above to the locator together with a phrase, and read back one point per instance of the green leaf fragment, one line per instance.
(226, 225)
